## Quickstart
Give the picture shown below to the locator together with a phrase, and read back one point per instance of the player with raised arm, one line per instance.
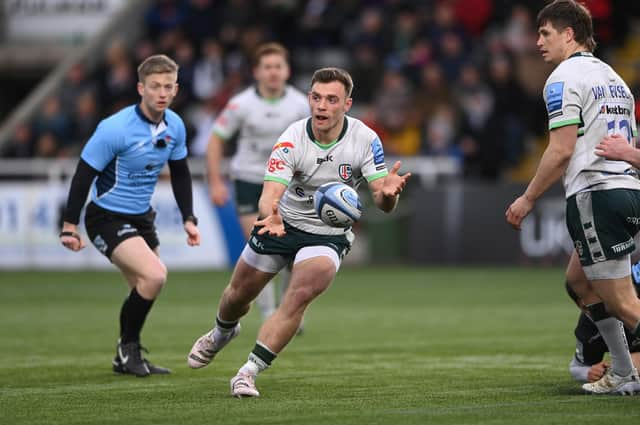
(586, 101)
(328, 146)
(121, 163)
(259, 114)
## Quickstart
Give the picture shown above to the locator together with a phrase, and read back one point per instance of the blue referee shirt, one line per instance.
(129, 151)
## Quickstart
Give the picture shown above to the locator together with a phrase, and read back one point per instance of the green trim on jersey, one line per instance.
(553, 126)
(634, 132)
(217, 133)
(377, 176)
(276, 179)
(580, 132)
(324, 146)
(270, 100)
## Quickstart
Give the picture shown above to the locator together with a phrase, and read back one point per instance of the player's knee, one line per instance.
(157, 277)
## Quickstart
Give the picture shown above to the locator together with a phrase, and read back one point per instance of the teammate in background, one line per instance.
(586, 100)
(328, 146)
(125, 155)
(260, 114)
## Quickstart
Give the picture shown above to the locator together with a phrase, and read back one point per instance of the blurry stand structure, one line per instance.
(122, 25)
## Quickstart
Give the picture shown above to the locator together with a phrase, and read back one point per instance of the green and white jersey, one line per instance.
(260, 121)
(585, 91)
(302, 164)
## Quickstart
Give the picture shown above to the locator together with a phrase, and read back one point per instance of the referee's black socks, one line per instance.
(132, 316)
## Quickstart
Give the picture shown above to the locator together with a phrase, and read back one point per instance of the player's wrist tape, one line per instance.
(72, 234)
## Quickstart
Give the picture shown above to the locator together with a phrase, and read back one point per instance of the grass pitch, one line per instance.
(382, 346)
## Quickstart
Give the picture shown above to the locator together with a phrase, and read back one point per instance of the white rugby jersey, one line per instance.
(260, 122)
(585, 91)
(302, 164)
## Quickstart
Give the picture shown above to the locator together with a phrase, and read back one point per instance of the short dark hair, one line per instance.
(269, 49)
(562, 14)
(156, 64)
(328, 75)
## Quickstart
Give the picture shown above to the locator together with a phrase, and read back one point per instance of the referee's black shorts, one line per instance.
(107, 229)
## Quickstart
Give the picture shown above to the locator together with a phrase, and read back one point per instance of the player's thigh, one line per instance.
(313, 271)
(602, 225)
(137, 261)
(252, 272)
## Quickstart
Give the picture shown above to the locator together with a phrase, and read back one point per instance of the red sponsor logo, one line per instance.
(275, 164)
(283, 145)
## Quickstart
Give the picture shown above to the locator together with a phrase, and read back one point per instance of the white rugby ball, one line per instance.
(337, 204)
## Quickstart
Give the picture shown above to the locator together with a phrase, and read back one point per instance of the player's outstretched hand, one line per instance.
(70, 238)
(517, 211)
(272, 224)
(394, 183)
(614, 147)
(193, 234)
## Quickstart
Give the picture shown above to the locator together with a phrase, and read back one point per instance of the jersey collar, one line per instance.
(270, 99)
(345, 124)
(143, 117)
(583, 54)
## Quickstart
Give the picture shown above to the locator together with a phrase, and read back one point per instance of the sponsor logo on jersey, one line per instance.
(615, 110)
(275, 164)
(328, 158)
(283, 145)
(381, 167)
(554, 96)
(378, 152)
(345, 171)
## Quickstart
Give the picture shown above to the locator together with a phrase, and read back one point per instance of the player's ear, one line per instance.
(347, 104)
(140, 87)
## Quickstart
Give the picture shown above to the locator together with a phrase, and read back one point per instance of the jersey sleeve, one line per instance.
(229, 120)
(180, 149)
(281, 162)
(634, 124)
(103, 146)
(373, 166)
(563, 101)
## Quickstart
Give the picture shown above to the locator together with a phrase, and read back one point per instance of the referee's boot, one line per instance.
(129, 360)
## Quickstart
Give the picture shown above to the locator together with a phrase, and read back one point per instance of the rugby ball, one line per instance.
(337, 204)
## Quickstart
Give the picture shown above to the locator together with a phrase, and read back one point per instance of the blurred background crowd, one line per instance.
(455, 78)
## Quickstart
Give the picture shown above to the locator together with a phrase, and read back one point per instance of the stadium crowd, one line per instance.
(458, 78)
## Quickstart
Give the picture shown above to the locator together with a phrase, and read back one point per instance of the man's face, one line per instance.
(329, 103)
(158, 91)
(551, 43)
(272, 72)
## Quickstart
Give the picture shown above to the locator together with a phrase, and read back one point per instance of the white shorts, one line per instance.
(274, 263)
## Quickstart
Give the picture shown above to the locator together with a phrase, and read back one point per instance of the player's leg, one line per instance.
(266, 299)
(146, 275)
(602, 244)
(247, 197)
(313, 271)
(251, 273)
(285, 278)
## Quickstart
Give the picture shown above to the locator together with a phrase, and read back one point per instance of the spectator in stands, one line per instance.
(21, 144)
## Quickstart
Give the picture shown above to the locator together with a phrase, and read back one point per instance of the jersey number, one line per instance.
(623, 127)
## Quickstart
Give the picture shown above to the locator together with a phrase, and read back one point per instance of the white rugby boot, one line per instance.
(205, 348)
(244, 385)
(611, 383)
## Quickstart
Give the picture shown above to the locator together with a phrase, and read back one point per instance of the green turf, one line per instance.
(382, 346)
